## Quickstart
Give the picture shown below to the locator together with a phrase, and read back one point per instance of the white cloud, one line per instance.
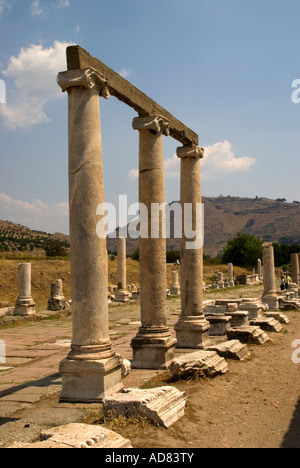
(33, 73)
(4, 5)
(35, 214)
(125, 72)
(220, 161)
(41, 8)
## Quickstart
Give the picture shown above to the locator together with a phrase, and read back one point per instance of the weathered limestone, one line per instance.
(57, 299)
(164, 405)
(248, 335)
(295, 268)
(25, 304)
(270, 293)
(153, 347)
(92, 369)
(233, 349)
(192, 329)
(219, 324)
(198, 364)
(268, 324)
(259, 269)
(78, 436)
(175, 288)
(122, 295)
(230, 275)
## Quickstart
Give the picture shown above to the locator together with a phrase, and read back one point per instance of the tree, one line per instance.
(243, 250)
(55, 249)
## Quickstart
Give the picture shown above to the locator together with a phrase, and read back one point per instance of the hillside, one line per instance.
(271, 220)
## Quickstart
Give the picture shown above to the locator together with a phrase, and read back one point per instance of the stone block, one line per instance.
(233, 349)
(219, 324)
(79, 436)
(248, 335)
(163, 406)
(282, 318)
(238, 318)
(198, 364)
(268, 324)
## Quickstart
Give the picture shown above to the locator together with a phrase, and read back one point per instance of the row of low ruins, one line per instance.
(91, 372)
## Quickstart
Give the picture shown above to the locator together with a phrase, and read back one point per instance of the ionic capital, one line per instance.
(88, 78)
(190, 152)
(156, 124)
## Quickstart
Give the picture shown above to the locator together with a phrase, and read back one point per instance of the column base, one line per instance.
(271, 301)
(86, 381)
(153, 349)
(122, 296)
(24, 307)
(192, 332)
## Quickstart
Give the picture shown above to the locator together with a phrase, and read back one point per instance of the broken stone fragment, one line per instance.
(78, 436)
(163, 406)
(231, 350)
(198, 364)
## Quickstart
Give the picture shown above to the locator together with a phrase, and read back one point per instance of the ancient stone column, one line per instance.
(175, 288)
(192, 329)
(295, 268)
(25, 304)
(270, 293)
(57, 299)
(259, 269)
(230, 275)
(92, 369)
(122, 295)
(153, 347)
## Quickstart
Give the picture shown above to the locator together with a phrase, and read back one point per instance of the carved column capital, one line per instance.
(190, 152)
(156, 124)
(88, 78)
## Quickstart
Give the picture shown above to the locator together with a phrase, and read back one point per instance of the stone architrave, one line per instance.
(295, 268)
(153, 347)
(192, 329)
(270, 293)
(92, 370)
(57, 299)
(175, 288)
(122, 295)
(25, 304)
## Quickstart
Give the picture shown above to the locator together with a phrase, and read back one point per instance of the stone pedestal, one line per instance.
(25, 304)
(192, 329)
(122, 295)
(270, 293)
(92, 369)
(153, 347)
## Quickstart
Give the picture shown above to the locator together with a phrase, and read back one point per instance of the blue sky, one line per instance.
(223, 67)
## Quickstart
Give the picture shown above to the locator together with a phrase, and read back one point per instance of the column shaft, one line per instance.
(153, 347)
(192, 329)
(86, 370)
(270, 292)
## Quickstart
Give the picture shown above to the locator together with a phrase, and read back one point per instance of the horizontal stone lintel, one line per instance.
(123, 90)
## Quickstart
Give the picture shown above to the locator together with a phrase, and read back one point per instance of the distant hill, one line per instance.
(272, 220)
(16, 239)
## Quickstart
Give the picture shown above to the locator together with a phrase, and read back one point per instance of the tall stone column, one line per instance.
(192, 329)
(270, 292)
(230, 275)
(153, 347)
(295, 268)
(259, 269)
(122, 295)
(92, 369)
(25, 304)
